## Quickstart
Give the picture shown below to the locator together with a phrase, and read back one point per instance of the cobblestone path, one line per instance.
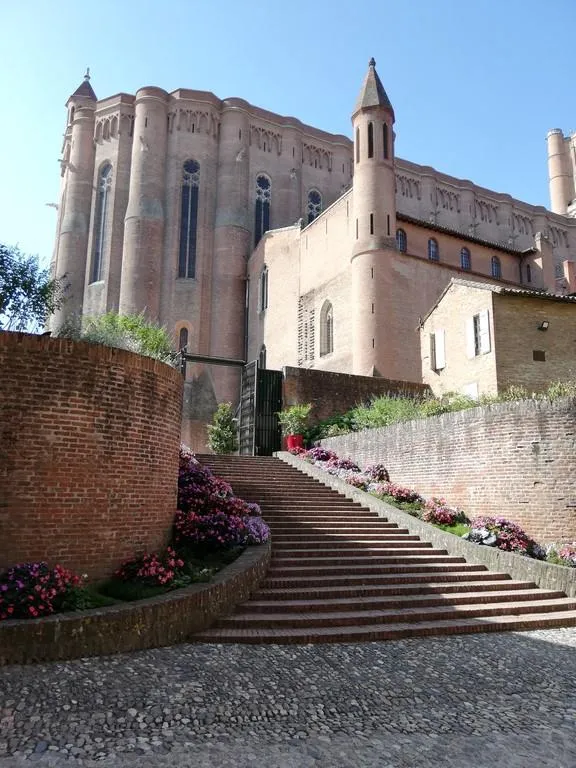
(482, 701)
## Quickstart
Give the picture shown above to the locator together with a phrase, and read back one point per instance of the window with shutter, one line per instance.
(437, 351)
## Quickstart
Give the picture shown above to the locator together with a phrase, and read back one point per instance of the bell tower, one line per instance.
(374, 207)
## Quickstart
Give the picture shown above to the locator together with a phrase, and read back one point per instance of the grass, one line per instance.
(458, 529)
(391, 409)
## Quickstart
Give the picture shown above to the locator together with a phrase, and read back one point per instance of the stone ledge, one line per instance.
(545, 575)
(165, 620)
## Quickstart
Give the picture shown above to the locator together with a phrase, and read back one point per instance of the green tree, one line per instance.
(28, 295)
(222, 433)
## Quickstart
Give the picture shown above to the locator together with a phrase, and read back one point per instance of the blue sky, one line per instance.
(475, 84)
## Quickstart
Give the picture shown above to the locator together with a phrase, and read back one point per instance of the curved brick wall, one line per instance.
(512, 459)
(89, 439)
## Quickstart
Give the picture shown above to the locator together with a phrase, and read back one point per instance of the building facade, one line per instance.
(251, 235)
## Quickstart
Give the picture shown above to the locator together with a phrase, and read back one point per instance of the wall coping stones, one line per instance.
(545, 575)
(159, 621)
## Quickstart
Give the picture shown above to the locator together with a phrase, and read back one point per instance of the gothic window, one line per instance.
(326, 329)
(433, 250)
(263, 290)
(100, 220)
(183, 338)
(262, 357)
(263, 197)
(496, 268)
(189, 219)
(370, 139)
(465, 259)
(314, 205)
(401, 241)
(385, 141)
(357, 145)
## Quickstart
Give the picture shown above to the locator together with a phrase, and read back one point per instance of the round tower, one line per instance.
(374, 229)
(144, 221)
(75, 203)
(232, 246)
(559, 175)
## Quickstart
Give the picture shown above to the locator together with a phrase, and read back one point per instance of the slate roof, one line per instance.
(85, 89)
(372, 93)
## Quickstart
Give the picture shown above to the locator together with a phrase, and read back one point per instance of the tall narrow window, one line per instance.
(263, 199)
(314, 205)
(357, 145)
(496, 268)
(183, 338)
(326, 329)
(263, 290)
(370, 139)
(100, 220)
(385, 141)
(189, 219)
(262, 357)
(433, 250)
(371, 223)
(528, 273)
(401, 241)
(465, 260)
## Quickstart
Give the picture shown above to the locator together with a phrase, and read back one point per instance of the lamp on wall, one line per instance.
(544, 325)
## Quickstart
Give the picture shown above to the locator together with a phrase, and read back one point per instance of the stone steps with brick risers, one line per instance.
(341, 573)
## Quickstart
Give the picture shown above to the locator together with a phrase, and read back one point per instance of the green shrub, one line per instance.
(223, 432)
(131, 332)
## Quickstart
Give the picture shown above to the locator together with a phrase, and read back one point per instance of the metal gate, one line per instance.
(260, 401)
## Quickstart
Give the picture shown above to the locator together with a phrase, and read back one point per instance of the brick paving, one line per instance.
(504, 699)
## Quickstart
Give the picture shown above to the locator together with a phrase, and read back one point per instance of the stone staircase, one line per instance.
(340, 573)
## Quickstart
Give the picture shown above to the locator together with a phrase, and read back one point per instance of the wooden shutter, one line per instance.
(484, 332)
(440, 348)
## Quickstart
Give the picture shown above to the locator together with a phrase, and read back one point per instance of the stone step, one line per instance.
(385, 602)
(346, 554)
(359, 558)
(496, 582)
(394, 631)
(283, 542)
(336, 528)
(357, 618)
(337, 566)
(398, 574)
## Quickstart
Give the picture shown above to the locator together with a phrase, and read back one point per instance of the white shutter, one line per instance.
(470, 343)
(484, 332)
(471, 390)
(440, 348)
(432, 352)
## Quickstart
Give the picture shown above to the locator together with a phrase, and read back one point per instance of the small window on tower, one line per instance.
(370, 139)
(385, 141)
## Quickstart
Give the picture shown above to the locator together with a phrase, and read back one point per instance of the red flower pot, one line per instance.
(294, 441)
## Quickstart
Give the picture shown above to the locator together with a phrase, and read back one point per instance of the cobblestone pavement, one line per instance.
(482, 701)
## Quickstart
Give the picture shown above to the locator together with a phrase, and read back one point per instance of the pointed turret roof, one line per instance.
(85, 89)
(372, 93)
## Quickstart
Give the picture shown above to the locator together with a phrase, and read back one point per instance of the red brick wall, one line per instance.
(335, 393)
(89, 439)
(514, 459)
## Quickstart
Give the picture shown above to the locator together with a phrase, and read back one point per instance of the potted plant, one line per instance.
(293, 421)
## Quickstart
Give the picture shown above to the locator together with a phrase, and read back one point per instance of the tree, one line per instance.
(222, 433)
(28, 295)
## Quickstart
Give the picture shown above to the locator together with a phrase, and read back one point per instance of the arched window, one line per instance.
(189, 219)
(401, 241)
(357, 145)
(100, 220)
(326, 329)
(433, 250)
(183, 338)
(262, 357)
(465, 260)
(314, 204)
(496, 268)
(385, 141)
(370, 139)
(263, 198)
(263, 290)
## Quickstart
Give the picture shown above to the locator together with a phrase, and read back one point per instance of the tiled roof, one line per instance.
(85, 89)
(463, 235)
(372, 93)
(506, 290)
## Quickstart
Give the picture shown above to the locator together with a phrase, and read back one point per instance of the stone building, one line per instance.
(240, 230)
(482, 338)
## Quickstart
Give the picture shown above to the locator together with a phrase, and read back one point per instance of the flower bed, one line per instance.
(488, 531)
(212, 527)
